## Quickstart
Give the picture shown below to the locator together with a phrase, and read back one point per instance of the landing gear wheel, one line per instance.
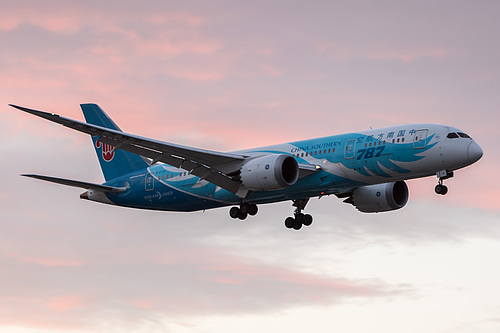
(243, 211)
(244, 207)
(297, 225)
(233, 212)
(441, 189)
(442, 175)
(289, 222)
(252, 209)
(299, 218)
(308, 220)
(242, 215)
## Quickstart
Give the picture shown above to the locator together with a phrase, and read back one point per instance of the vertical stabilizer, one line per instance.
(113, 163)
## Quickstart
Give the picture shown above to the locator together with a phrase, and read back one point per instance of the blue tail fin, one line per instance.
(113, 163)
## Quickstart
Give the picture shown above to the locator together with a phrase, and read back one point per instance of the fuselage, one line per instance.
(343, 162)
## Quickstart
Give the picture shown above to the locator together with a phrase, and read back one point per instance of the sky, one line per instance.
(226, 75)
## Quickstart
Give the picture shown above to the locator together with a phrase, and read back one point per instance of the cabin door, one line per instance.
(350, 149)
(420, 139)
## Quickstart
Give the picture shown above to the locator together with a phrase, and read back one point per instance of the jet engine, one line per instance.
(380, 197)
(269, 172)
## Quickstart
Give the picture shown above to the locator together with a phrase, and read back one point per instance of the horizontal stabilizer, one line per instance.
(77, 183)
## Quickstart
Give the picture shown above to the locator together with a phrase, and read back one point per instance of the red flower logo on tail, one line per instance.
(107, 151)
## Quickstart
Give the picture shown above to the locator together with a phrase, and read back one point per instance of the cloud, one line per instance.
(105, 46)
(68, 22)
(344, 52)
(147, 278)
(71, 17)
(195, 74)
(409, 55)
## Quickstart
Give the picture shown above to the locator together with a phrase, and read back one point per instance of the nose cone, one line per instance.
(474, 152)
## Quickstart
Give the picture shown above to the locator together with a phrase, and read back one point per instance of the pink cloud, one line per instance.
(184, 18)
(409, 55)
(168, 289)
(405, 54)
(336, 50)
(63, 303)
(48, 262)
(145, 304)
(46, 259)
(9, 22)
(70, 18)
(271, 70)
(63, 21)
(172, 33)
(166, 47)
(195, 74)
(21, 77)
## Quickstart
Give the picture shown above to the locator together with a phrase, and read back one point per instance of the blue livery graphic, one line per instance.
(367, 169)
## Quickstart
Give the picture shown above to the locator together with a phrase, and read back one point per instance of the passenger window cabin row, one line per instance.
(314, 153)
(169, 176)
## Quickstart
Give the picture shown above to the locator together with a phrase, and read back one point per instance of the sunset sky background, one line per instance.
(228, 75)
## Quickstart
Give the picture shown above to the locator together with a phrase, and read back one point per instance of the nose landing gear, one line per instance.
(299, 218)
(440, 187)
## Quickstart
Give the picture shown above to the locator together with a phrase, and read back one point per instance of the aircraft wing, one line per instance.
(218, 168)
(77, 183)
(215, 167)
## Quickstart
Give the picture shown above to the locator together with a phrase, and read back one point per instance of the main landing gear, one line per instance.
(299, 218)
(243, 211)
(440, 187)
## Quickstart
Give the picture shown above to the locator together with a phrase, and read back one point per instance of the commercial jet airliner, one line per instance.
(368, 168)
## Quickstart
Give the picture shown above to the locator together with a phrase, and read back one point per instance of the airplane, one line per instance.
(367, 169)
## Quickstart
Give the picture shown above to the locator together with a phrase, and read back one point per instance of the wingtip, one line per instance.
(43, 114)
(22, 108)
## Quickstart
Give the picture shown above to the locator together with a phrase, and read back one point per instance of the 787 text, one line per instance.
(370, 152)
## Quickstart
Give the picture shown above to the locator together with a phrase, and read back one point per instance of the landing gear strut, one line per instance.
(299, 218)
(243, 211)
(440, 187)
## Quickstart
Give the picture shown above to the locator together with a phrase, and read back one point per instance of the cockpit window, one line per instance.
(452, 135)
(463, 135)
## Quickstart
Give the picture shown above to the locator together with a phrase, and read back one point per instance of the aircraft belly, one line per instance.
(164, 198)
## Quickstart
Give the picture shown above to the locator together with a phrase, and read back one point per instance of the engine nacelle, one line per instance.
(270, 172)
(380, 197)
